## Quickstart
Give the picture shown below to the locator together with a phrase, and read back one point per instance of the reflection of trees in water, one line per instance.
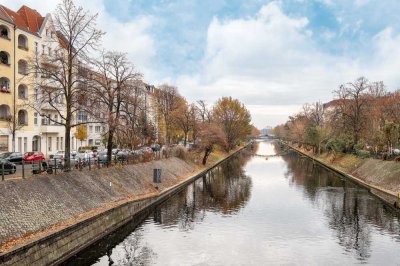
(225, 189)
(351, 211)
(131, 251)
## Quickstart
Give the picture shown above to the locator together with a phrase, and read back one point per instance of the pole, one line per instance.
(55, 166)
(2, 171)
(23, 169)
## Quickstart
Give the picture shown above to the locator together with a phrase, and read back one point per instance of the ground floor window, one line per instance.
(3, 143)
(57, 143)
(97, 142)
(49, 144)
(25, 144)
(90, 142)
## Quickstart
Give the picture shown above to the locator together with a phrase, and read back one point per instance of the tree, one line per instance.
(110, 86)
(211, 135)
(391, 133)
(58, 74)
(81, 133)
(352, 107)
(234, 119)
(183, 118)
(167, 99)
(316, 135)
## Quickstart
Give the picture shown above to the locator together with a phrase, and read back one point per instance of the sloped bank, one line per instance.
(63, 215)
(371, 174)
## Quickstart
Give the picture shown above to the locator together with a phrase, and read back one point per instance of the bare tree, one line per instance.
(204, 112)
(110, 85)
(57, 74)
(352, 107)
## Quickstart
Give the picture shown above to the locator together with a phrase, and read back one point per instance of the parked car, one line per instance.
(9, 168)
(155, 147)
(58, 154)
(56, 162)
(33, 156)
(122, 155)
(147, 150)
(102, 157)
(13, 157)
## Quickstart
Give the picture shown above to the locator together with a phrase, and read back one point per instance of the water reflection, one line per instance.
(225, 190)
(253, 211)
(351, 210)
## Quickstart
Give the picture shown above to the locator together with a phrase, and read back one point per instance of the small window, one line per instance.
(4, 32)
(35, 119)
(43, 49)
(49, 51)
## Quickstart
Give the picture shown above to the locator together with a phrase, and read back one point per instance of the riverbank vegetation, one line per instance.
(363, 119)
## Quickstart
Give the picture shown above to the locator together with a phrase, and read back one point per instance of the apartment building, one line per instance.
(24, 34)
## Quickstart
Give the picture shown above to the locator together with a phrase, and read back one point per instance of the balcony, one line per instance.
(51, 128)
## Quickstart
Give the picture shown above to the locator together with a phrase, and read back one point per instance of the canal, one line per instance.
(255, 211)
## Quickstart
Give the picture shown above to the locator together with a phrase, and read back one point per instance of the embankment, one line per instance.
(381, 178)
(47, 219)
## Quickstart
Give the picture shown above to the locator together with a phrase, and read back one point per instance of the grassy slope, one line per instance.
(385, 174)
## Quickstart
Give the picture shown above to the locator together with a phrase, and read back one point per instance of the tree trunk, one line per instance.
(109, 145)
(67, 156)
(207, 152)
(185, 139)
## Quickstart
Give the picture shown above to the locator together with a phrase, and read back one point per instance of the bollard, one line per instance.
(23, 169)
(2, 171)
(89, 164)
(55, 166)
(157, 175)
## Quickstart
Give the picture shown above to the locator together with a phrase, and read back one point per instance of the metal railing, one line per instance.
(57, 166)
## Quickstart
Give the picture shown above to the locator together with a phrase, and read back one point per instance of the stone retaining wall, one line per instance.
(58, 246)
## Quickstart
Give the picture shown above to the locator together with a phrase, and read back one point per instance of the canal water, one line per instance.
(283, 210)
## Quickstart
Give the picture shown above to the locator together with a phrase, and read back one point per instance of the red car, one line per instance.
(33, 156)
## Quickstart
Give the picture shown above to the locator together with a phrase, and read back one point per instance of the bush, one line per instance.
(180, 152)
(363, 154)
(83, 148)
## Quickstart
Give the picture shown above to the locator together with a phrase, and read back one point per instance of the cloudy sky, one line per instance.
(272, 55)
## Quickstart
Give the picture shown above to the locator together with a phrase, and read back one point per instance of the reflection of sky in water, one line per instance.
(278, 211)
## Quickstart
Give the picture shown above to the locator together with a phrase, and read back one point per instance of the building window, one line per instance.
(49, 51)
(22, 117)
(35, 119)
(20, 144)
(23, 67)
(55, 119)
(4, 32)
(90, 129)
(5, 112)
(22, 42)
(90, 142)
(61, 143)
(25, 144)
(97, 129)
(22, 92)
(43, 48)
(57, 143)
(4, 58)
(97, 142)
(49, 144)
(5, 85)
(82, 116)
(3, 143)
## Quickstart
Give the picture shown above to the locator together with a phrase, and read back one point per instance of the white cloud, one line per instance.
(271, 60)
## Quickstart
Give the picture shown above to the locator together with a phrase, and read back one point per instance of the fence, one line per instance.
(56, 166)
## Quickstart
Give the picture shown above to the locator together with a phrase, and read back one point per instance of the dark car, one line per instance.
(13, 157)
(9, 168)
(155, 147)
